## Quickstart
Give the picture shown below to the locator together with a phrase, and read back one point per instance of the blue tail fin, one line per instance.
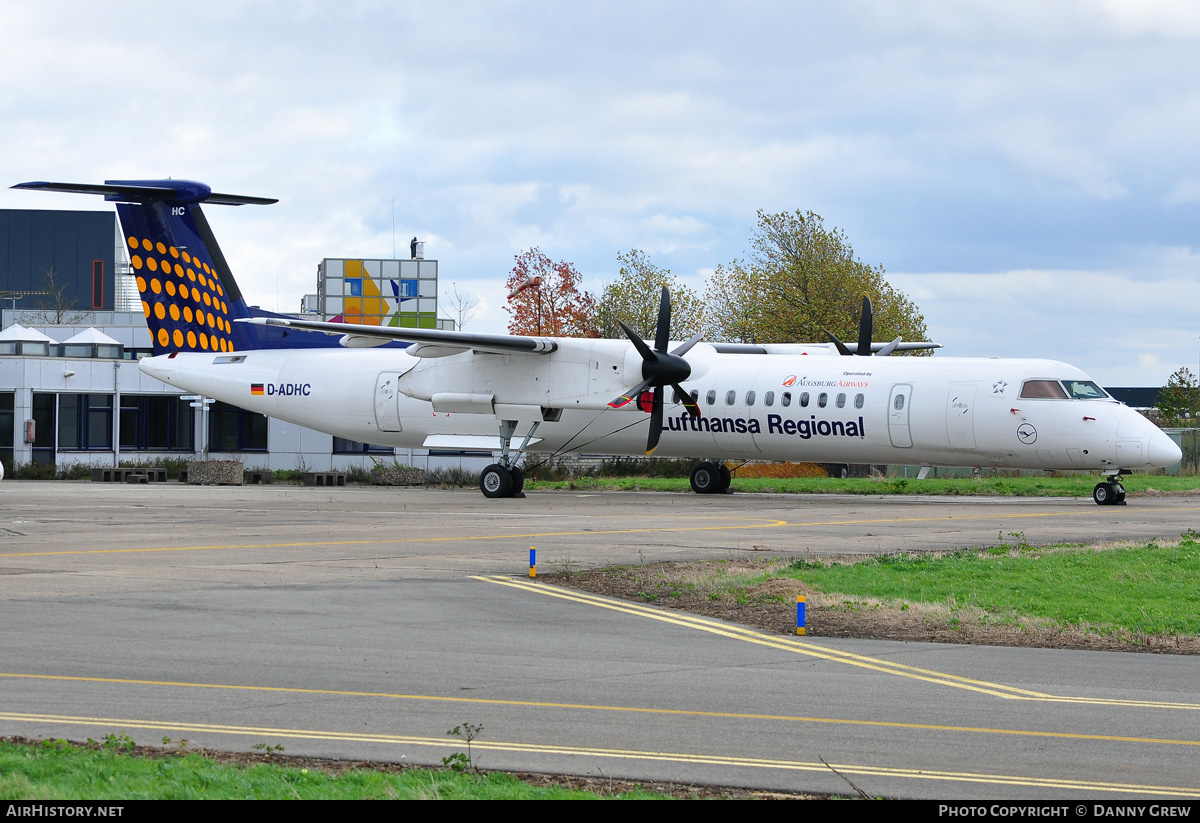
(188, 293)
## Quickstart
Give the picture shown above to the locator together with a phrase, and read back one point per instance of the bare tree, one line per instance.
(461, 305)
(56, 308)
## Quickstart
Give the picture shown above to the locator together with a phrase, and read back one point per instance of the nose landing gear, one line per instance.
(1109, 493)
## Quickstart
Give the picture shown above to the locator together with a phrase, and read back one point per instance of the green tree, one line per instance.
(634, 296)
(802, 280)
(1179, 400)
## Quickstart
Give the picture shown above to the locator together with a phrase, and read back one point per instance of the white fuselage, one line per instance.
(933, 411)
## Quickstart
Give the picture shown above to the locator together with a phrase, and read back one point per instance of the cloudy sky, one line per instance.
(1027, 172)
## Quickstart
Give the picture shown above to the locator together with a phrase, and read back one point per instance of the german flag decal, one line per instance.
(256, 389)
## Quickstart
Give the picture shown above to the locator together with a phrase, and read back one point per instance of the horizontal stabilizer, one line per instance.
(151, 191)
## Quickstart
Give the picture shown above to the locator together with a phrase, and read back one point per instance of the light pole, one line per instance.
(536, 283)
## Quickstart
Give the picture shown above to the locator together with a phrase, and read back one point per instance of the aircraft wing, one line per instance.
(812, 348)
(426, 342)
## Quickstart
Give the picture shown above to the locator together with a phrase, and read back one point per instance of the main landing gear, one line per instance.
(505, 479)
(498, 481)
(710, 477)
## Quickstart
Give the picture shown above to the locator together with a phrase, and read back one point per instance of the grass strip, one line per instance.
(1149, 589)
(1069, 486)
(60, 770)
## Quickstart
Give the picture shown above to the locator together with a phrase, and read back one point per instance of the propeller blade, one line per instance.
(631, 395)
(889, 348)
(656, 418)
(662, 332)
(841, 347)
(686, 400)
(638, 343)
(685, 347)
(865, 327)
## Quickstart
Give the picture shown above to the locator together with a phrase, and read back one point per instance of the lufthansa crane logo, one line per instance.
(1027, 434)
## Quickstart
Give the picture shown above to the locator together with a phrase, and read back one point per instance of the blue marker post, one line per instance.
(533, 561)
(799, 614)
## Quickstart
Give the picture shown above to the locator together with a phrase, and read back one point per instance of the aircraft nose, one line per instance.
(1162, 451)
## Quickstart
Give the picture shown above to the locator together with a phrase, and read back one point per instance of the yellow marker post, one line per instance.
(533, 561)
(800, 608)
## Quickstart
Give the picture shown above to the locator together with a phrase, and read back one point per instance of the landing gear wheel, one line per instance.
(1106, 494)
(496, 481)
(706, 478)
(726, 478)
(518, 480)
(1120, 501)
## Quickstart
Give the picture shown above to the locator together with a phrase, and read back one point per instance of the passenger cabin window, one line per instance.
(898, 403)
(749, 398)
(1043, 389)
(730, 398)
(711, 397)
(769, 398)
(1084, 390)
(785, 399)
(822, 400)
(841, 401)
(804, 398)
(858, 401)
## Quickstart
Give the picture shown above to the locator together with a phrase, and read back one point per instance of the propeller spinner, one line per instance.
(660, 368)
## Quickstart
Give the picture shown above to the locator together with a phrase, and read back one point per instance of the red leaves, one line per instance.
(552, 305)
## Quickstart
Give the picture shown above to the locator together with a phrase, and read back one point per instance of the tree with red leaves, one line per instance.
(545, 298)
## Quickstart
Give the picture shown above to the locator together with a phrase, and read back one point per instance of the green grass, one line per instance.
(1070, 486)
(1145, 590)
(58, 770)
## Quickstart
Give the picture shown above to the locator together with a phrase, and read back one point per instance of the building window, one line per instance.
(231, 429)
(84, 421)
(8, 429)
(97, 284)
(157, 423)
(343, 446)
(43, 423)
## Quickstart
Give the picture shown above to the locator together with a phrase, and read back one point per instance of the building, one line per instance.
(70, 389)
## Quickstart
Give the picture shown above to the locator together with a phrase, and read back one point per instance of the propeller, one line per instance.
(865, 328)
(660, 368)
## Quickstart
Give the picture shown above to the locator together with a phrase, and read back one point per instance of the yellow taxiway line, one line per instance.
(807, 648)
(856, 770)
(760, 524)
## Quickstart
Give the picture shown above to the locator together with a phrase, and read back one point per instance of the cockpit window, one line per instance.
(1043, 389)
(1084, 390)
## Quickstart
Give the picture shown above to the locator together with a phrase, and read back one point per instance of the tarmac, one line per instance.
(365, 623)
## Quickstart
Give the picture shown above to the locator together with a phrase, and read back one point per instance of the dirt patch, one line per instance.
(703, 587)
